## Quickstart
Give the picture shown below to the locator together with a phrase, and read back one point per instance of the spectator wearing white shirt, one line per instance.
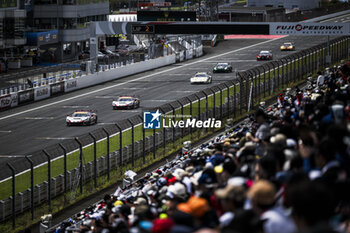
(320, 79)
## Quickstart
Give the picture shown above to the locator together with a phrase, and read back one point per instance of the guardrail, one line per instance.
(116, 148)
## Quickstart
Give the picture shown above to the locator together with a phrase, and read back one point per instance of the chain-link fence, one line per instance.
(109, 151)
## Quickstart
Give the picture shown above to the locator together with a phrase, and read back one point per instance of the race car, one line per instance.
(126, 102)
(82, 117)
(222, 67)
(288, 46)
(264, 55)
(201, 77)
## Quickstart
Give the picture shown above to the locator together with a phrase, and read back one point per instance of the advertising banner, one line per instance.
(8, 101)
(71, 85)
(25, 96)
(57, 88)
(14, 100)
(41, 92)
(309, 29)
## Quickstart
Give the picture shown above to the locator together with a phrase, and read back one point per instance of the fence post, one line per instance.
(182, 117)
(220, 102)
(143, 142)
(95, 160)
(81, 163)
(228, 99)
(259, 84)
(13, 195)
(108, 164)
(264, 82)
(132, 143)
(173, 126)
(48, 176)
(120, 146)
(240, 93)
(214, 102)
(154, 143)
(188, 99)
(31, 186)
(199, 106)
(64, 166)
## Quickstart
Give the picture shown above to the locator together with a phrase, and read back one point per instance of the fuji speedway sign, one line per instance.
(309, 29)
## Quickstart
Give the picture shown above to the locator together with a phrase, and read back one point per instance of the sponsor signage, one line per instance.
(70, 85)
(57, 88)
(8, 101)
(41, 92)
(42, 38)
(307, 29)
(25, 96)
(142, 29)
(5, 102)
(155, 120)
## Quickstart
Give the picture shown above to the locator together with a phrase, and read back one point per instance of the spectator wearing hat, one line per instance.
(232, 199)
(262, 196)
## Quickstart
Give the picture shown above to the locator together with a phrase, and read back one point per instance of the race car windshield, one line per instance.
(222, 64)
(288, 44)
(80, 115)
(125, 99)
(201, 75)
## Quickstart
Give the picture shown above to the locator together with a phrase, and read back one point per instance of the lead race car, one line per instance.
(82, 117)
(222, 67)
(287, 46)
(201, 78)
(126, 102)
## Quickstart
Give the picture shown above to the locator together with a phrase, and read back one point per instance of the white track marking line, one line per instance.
(37, 118)
(137, 79)
(72, 106)
(5, 131)
(51, 138)
(105, 96)
(331, 19)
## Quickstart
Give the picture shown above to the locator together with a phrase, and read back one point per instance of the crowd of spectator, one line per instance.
(284, 170)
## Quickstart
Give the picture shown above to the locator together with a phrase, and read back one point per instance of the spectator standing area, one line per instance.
(285, 169)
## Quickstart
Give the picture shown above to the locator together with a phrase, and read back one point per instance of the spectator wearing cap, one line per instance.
(262, 196)
(176, 194)
(199, 208)
(232, 199)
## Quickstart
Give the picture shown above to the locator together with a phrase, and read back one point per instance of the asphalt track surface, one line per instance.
(29, 128)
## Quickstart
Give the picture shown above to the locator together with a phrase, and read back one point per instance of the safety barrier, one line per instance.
(115, 147)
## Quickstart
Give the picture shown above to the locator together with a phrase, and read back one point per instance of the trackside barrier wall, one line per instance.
(228, 99)
(71, 83)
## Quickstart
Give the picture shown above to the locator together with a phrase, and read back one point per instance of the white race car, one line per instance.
(82, 117)
(201, 77)
(126, 102)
